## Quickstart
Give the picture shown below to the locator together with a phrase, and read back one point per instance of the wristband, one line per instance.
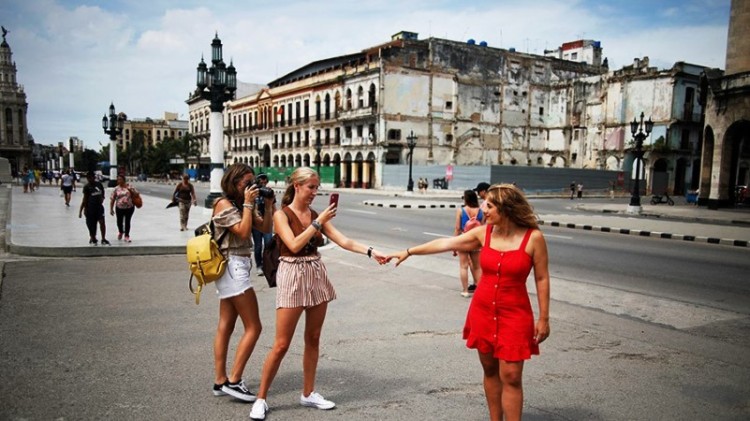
(248, 205)
(369, 252)
(315, 224)
(408, 253)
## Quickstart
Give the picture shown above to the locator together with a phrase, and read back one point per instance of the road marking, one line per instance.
(564, 237)
(432, 234)
(362, 211)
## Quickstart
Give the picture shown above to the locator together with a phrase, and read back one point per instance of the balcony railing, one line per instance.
(358, 113)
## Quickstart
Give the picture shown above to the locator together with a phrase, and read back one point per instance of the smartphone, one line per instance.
(334, 199)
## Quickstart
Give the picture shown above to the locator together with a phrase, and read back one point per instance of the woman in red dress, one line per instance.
(500, 322)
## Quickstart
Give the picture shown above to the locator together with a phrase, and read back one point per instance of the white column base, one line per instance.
(634, 210)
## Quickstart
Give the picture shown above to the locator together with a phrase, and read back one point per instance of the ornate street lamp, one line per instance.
(112, 126)
(637, 129)
(216, 84)
(318, 147)
(411, 142)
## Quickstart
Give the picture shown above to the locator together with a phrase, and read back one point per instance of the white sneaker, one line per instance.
(316, 401)
(259, 272)
(259, 410)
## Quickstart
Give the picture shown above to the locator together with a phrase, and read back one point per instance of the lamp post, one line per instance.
(113, 127)
(217, 85)
(411, 142)
(318, 147)
(637, 129)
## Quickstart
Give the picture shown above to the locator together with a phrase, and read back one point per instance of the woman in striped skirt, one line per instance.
(303, 284)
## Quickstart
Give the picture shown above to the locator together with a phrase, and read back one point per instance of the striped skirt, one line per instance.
(302, 282)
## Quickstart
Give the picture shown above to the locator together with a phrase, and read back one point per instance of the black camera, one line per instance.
(264, 192)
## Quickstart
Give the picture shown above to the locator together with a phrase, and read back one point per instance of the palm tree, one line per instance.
(136, 152)
(187, 147)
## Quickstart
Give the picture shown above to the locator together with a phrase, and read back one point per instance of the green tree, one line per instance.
(187, 147)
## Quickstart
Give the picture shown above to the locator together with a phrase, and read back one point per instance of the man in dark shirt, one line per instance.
(92, 206)
(260, 239)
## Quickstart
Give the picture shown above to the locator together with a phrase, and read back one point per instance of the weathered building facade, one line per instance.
(15, 143)
(726, 95)
(465, 105)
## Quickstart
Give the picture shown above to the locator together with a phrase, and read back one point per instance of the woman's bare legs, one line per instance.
(463, 270)
(314, 318)
(511, 375)
(246, 307)
(286, 323)
(493, 386)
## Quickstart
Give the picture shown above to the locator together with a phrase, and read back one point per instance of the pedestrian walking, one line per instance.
(184, 194)
(92, 205)
(68, 186)
(572, 190)
(121, 204)
(481, 190)
(500, 321)
(579, 190)
(468, 217)
(303, 284)
(234, 215)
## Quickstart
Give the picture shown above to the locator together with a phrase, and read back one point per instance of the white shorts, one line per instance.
(236, 279)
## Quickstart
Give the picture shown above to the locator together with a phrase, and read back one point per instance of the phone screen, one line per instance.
(334, 199)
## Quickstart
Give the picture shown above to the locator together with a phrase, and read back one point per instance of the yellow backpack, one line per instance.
(205, 260)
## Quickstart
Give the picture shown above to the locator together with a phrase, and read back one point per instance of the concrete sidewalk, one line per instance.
(39, 223)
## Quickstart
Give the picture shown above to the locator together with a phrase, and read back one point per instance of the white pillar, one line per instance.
(112, 162)
(216, 151)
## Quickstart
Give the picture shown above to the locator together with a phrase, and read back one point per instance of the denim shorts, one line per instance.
(236, 279)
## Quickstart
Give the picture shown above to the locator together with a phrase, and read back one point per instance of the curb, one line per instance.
(98, 251)
(409, 206)
(653, 234)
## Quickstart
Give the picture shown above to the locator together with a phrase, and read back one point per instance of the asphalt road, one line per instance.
(122, 339)
(641, 329)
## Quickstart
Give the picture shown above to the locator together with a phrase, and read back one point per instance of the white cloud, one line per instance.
(75, 60)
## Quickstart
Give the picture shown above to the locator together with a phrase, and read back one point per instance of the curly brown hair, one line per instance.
(232, 175)
(512, 204)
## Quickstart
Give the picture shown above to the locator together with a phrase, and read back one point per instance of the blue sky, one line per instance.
(75, 57)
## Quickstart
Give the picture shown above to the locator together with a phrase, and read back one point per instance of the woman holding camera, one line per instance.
(234, 216)
(303, 284)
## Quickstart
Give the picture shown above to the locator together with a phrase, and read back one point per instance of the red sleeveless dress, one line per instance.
(500, 320)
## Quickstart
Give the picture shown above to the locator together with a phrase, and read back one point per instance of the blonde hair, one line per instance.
(511, 203)
(298, 176)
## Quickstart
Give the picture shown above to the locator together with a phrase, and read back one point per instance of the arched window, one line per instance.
(371, 96)
(327, 106)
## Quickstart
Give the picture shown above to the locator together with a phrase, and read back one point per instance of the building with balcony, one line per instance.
(467, 104)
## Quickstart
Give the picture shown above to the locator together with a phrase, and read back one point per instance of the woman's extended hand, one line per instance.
(380, 257)
(400, 256)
